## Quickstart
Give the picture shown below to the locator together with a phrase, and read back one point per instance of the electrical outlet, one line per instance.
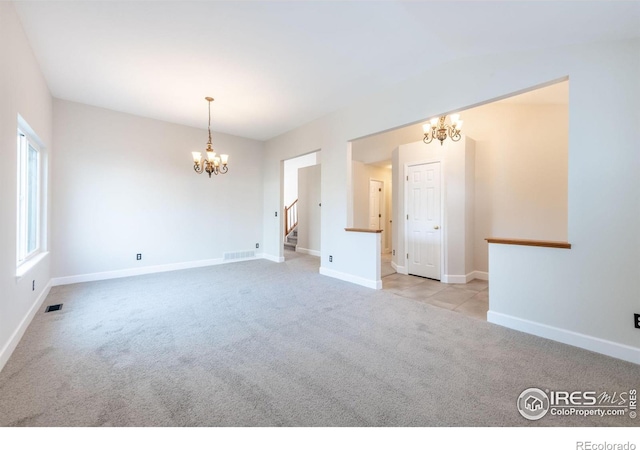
(330, 258)
(636, 320)
(394, 253)
(139, 256)
(276, 213)
(33, 285)
(257, 245)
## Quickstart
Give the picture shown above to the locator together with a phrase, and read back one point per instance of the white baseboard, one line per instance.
(307, 251)
(594, 344)
(97, 276)
(373, 284)
(277, 259)
(453, 279)
(400, 269)
(477, 275)
(8, 349)
(463, 279)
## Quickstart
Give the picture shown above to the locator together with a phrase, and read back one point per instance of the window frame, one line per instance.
(26, 142)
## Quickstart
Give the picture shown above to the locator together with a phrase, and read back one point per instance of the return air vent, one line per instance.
(239, 255)
(51, 308)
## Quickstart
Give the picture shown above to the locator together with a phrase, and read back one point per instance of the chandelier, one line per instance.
(439, 130)
(213, 164)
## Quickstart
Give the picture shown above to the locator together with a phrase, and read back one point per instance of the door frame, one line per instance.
(383, 215)
(443, 240)
(381, 201)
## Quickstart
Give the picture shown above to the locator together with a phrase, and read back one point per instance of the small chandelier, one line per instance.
(437, 129)
(213, 164)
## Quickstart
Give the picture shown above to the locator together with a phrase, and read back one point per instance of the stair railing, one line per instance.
(290, 217)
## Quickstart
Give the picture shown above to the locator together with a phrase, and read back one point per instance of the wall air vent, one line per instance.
(239, 255)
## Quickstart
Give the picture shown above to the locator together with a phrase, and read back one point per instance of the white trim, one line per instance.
(97, 276)
(27, 142)
(383, 216)
(594, 344)
(15, 338)
(277, 259)
(478, 275)
(454, 279)
(29, 264)
(400, 269)
(443, 216)
(463, 279)
(372, 284)
(307, 251)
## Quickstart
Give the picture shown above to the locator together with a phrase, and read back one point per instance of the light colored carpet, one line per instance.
(263, 344)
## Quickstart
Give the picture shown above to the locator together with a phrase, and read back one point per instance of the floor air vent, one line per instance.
(51, 308)
(239, 255)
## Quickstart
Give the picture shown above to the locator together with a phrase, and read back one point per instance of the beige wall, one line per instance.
(521, 170)
(521, 173)
(362, 174)
(23, 91)
(309, 210)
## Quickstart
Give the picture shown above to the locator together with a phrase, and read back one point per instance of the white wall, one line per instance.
(23, 91)
(309, 210)
(291, 167)
(604, 97)
(362, 174)
(125, 185)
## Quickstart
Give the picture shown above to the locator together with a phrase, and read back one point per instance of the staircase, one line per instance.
(291, 226)
(291, 241)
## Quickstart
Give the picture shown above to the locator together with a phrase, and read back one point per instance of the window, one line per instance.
(29, 167)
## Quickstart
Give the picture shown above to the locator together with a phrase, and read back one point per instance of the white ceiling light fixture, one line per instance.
(439, 129)
(213, 164)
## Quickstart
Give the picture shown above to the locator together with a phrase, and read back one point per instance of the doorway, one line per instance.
(424, 218)
(301, 204)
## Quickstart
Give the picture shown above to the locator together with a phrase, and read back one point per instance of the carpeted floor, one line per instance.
(257, 343)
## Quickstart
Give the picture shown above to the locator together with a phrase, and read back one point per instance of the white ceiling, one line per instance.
(275, 65)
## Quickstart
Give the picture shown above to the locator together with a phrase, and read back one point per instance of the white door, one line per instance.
(375, 211)
(424, 227)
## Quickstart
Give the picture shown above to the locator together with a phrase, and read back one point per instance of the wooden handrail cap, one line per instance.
(363, 230)
(528, 242)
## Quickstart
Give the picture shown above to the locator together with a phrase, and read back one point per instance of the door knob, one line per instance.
(436, 227)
